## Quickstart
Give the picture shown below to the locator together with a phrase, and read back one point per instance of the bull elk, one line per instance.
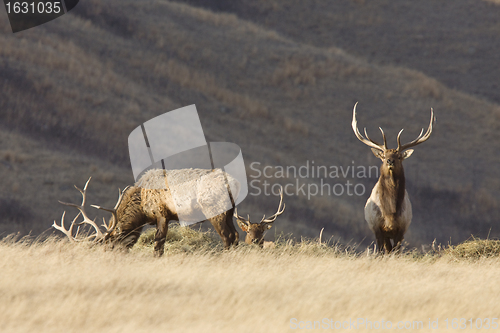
(150, 201)
(388, 209)
(255, 231)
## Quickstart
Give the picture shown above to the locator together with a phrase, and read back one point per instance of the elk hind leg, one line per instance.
(161, 236)
(223, 224)
(229, 222)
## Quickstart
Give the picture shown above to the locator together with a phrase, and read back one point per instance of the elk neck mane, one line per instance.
(127, 213)
(392, 191)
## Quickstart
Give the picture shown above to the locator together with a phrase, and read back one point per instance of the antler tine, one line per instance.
(421, 137)
(81, 208)
(383, 136)
(68, 232)
(367, 141)
(280, 211)
(375, 142)
(113, 210)
(241, 218)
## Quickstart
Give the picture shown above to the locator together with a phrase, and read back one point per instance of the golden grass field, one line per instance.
(58, 286)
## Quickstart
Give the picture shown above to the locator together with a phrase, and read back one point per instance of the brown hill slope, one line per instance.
(455, 42)
(73, 89)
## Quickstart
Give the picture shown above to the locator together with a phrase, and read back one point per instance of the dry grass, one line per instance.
(180, 240)
(56, 286)
(475, 249)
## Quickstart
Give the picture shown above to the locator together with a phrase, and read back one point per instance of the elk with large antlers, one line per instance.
(255, 231)
(388, 209)
(151, 201)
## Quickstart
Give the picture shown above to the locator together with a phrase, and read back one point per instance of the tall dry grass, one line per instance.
(55, 286)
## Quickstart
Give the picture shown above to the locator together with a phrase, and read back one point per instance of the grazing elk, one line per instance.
(388, 209)
(255, 231)
(150, 201)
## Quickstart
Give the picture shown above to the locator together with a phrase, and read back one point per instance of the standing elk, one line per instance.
(255, 231)
(150, 201)
(388, 209)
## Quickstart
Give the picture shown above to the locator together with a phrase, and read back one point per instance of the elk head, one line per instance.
(99, 235)
(255, 231)
(392, 159)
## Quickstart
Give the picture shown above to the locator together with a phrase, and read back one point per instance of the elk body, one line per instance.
(388, 209)
(255, 231)
(150, 201)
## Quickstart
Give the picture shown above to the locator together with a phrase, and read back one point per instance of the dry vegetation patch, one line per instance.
(475, 249)
(56, 286)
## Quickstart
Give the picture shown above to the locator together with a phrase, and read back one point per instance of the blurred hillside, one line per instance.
(455, 42)
(278, 78)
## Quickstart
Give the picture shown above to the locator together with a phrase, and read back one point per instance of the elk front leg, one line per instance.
(398, 242)
(161, 236)
(379, 237)
(387, 244)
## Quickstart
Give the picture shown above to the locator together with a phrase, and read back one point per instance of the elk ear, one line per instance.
(266, 226)
(378, 153)
(242, 225)
(407, 153)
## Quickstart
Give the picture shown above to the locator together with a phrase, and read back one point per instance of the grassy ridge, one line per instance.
(53, 286)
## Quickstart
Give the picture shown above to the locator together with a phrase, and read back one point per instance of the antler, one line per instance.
(241, 218)
(99, 235)
(421, 137)
(112, 227)
(69, 232)
(86, 220)
(367, 141)
(271, 219)
(280, 211)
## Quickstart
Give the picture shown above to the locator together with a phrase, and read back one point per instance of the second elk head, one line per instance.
(256, 231)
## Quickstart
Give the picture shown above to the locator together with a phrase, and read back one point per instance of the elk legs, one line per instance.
(161, 236)
(223, 224)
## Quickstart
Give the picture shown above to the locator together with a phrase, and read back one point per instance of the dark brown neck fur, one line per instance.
(131, 219)
(392, 191)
